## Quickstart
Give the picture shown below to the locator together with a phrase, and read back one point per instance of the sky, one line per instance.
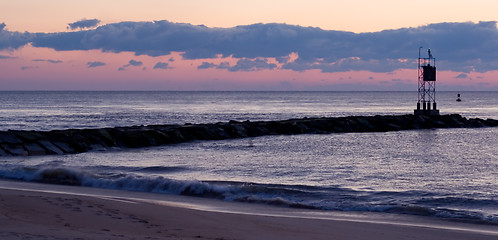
(246, 45)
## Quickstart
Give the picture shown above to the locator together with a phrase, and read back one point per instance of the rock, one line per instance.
(455, 120)
(3, 153)
(239, 130)
(64, 147)
(15, 149)
(82, 140)
(176, 136)
(105, 136)
(78, 141)
(366, 125)
(475, 122)
(97, 138)
(7, 137)
(393, 127)
(491, 122)
(34, 149)
(132, 139)
(29, 136)
(51, 148)
(193, 132)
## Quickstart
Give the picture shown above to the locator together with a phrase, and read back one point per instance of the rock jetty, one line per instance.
(27, 143)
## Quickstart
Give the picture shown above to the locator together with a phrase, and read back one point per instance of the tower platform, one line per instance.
(431, 112)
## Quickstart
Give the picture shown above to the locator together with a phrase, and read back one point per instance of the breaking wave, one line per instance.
(466, 209)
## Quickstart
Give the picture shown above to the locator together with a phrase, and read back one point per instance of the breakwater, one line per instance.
(27, 143)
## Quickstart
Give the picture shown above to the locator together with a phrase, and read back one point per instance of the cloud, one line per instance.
(349, 64)
(6, 57)
(13, 40)
(131, 63)
(163, 37)
(462, 47)
(243, 64)
(83, 24)
(206, 65)
(161, 65)
(28, 67)
(462, 75)
(134, 63)
(47, 60)
(95, 64)
(252, 65)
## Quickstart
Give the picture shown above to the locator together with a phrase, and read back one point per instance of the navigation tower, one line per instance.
(426, 104)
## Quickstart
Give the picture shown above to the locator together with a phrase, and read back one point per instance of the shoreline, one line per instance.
(29, 143)
(44, 211)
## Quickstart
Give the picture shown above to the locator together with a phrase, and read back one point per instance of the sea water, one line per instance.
(63, 110)
(442, 173)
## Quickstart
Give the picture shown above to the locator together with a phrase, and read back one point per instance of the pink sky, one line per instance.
(42, 68)
(24, 72)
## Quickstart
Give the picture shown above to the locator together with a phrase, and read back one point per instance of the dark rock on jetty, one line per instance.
(19, 143)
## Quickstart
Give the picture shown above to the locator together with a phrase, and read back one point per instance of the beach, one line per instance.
(42, 211)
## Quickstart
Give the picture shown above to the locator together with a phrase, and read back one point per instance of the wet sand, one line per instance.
(41, 211)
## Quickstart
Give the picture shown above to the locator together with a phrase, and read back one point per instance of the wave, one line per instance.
(335, 198)
(150, 169)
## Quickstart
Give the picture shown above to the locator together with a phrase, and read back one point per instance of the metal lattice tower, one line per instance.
(426, 104)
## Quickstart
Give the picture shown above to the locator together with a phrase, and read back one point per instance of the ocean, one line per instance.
(438, 173)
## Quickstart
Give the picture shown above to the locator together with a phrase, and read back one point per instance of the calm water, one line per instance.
(444, 173)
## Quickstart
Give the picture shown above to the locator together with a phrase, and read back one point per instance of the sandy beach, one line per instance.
(40, 211)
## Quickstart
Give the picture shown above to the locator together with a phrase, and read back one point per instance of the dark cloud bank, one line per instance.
(461, 47)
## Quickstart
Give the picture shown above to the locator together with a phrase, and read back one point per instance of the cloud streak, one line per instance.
(28, 67)
(161, 65)
(47, 60)
(463, 47)
(461, 75)
(6, 57)
(133, 63)
(83, 24)
(95, 64)
(243, 64)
